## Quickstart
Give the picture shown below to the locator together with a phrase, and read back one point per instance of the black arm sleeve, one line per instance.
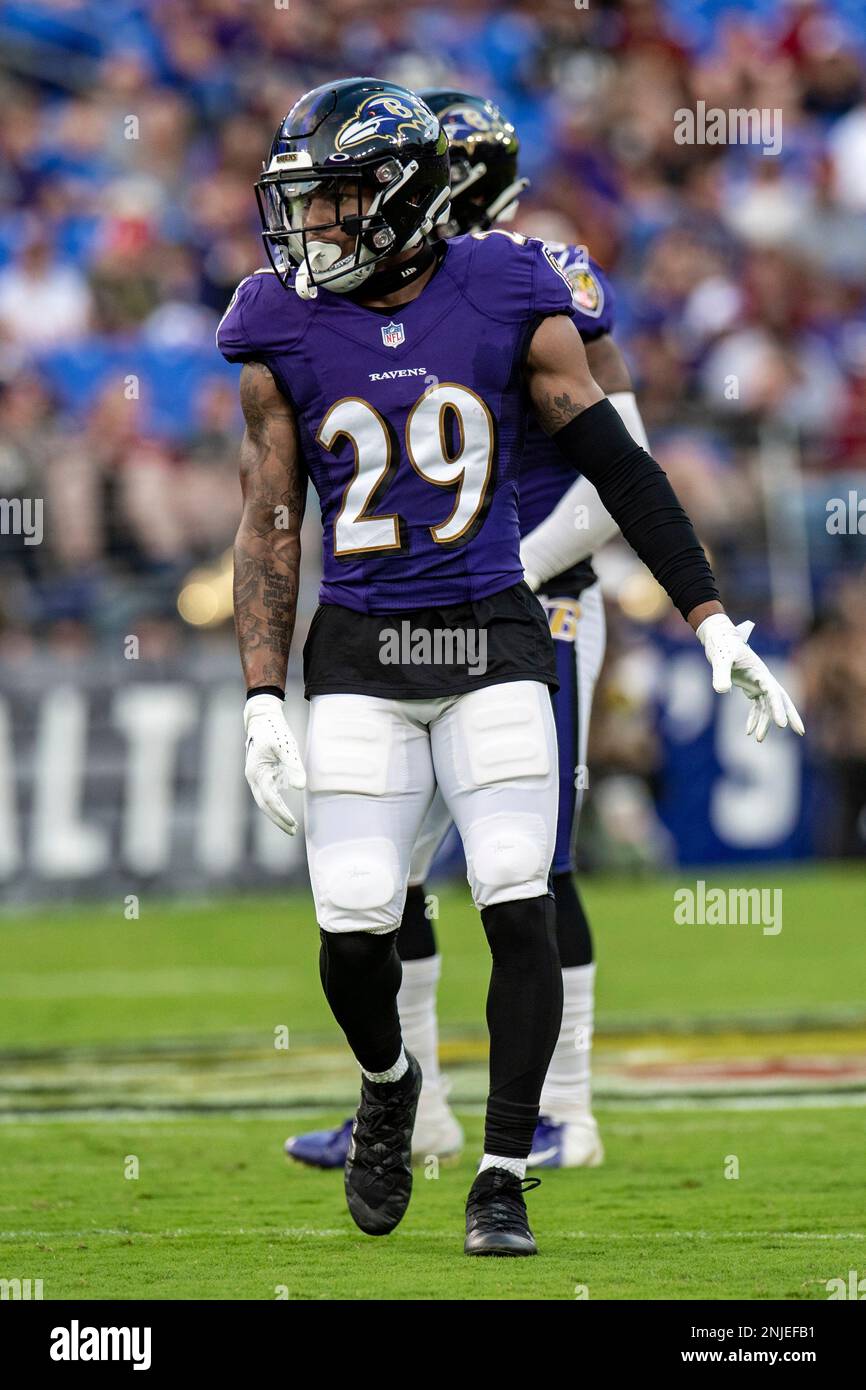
(641, 501)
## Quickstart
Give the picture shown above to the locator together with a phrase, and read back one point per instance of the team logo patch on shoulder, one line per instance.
(586, 291)
(393, 334)
(555, 263)
(386, 117)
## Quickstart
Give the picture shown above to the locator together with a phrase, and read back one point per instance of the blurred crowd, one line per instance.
(132, 132)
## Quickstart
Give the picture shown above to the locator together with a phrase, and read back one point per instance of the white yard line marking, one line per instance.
(301, 1232)
(188, 980)
(234, 1110)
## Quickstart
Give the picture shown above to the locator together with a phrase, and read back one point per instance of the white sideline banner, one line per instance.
(109, 784)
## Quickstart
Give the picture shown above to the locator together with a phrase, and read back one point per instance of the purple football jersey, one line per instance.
(412, 422)
(545, 476)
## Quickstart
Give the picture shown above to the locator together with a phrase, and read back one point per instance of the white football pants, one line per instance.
(373, 766)
(588, 645)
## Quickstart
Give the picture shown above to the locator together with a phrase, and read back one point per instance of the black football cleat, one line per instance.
(496, 1220)
(378, 1172)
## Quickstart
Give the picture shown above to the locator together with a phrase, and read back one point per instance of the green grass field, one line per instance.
(149, 1046)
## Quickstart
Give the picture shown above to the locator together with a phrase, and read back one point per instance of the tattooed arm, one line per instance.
(267, 550)
(267, 559)
(558, 375)
(591, 436)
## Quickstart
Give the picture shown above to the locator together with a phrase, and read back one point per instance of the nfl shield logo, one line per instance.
(393, 334)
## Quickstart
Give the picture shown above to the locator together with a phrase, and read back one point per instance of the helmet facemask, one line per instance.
(469, 212)
(360, 196)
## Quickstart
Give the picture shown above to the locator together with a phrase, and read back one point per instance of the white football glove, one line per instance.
(273, 759)
(734, 663)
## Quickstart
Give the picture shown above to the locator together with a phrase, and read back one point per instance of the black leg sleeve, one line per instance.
(524, 1013)
(572, 929)
(361, 975)
(416, 939)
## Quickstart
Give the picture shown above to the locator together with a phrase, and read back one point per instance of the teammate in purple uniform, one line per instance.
(394, 374)
(555, 550)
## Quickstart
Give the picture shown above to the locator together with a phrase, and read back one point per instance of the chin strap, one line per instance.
(395, 277)
(303, 285)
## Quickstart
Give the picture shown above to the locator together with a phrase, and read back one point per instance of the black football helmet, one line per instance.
(379, 153)
(484, 149)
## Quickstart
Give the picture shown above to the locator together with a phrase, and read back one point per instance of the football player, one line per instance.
(561, 522)
(393, 373)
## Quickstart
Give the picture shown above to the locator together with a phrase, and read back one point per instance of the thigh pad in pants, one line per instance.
(495, 759)
(369, 784)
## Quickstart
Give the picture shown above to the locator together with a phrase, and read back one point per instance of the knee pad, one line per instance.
(356, 885)
(507, 857)
(504, 732)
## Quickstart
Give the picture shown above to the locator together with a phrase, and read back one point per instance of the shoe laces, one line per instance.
(498, 1203)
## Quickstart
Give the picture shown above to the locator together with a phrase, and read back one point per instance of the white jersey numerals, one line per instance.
(469, 469)
(518, 238)
(357, 421)
(449, 442)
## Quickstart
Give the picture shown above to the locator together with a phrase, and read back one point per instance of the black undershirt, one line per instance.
(428, 653)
